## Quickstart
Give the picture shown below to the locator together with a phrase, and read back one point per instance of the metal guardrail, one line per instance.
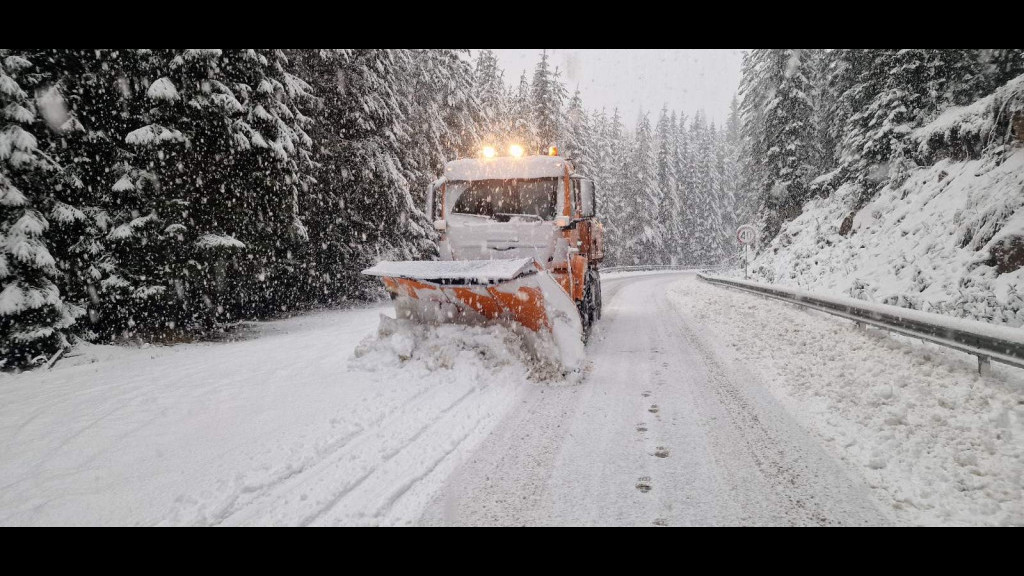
(652, 267)
(986, 341)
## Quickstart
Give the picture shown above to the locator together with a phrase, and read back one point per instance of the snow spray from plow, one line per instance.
(516, 292)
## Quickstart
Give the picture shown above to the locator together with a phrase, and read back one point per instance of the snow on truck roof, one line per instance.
(505, 168)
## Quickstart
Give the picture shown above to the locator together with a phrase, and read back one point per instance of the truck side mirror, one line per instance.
(588, 198)
(432, 197)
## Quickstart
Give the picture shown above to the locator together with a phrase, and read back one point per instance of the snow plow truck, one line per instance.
(519, 245)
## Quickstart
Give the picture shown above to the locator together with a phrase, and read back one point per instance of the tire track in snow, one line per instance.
(309, 495)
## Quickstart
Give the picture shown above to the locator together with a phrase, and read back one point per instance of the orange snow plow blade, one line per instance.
(515, 292)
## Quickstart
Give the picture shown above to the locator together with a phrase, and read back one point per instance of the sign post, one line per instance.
(746, 235)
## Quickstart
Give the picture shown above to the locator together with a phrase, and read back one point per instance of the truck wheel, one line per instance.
(586, 307)
(596, 283)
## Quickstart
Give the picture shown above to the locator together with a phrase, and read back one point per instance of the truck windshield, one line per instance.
(505, 199)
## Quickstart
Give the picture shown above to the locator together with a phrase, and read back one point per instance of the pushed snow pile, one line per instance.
(949, 240)
(481, 353)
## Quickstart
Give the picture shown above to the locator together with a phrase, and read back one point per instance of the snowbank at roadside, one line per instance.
(937, 443)
(330, 418)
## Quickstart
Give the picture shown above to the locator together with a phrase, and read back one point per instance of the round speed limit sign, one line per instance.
(746, 234)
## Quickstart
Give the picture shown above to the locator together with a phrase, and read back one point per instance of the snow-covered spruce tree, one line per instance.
(185, 156)
(362, 208)
(218, 162)
(823, 147)
(684, 170)
(734, 167)
(613, 209)
(705, 211)
(257, 201)
(778, 120)
(493, 122)
(841, 93)
(643, 229)
(577, 140)
(86, 101)
(600, 151)
(1001, 65)
(671, 201)
(149, 256)
(34, 318)
(602, 165)
(547, 97)
(436, 95)
(897, 91)
(522, 131)
(726, 162)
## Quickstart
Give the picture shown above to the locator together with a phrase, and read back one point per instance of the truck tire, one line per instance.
(586, 306)
(590, 305)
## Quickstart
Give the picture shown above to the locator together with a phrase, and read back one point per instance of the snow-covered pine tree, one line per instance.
(684, 169)
(734, 167)
(254, 135)
(523, 131)
(643, 228)
(436, 95)
(823, 148)
(184, 156)
(896, 91)
(577, 139)
(704, 216)
(493, 120)
(778, 119)
(88, 102)
(614, 191)
(671, 202)
(363, 209)
(600, 151)
(34, 318)
(547, 96)
(725, 168)
(1001, 65)
(841, 93)
(154, 269)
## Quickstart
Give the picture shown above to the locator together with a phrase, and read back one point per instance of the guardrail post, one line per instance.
(984, 365)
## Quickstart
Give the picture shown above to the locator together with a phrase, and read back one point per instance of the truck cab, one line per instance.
(512, 207)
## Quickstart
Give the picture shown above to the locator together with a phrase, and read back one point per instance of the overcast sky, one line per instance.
(635, 80)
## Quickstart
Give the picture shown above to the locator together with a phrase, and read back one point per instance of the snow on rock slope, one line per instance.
(937, 443)
(926, 244)
(318, 420)
(947, 237)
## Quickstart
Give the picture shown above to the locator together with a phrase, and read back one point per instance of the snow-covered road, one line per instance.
(700, 406)
(662, 432)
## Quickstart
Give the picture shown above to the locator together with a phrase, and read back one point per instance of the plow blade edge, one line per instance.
(517, 293)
